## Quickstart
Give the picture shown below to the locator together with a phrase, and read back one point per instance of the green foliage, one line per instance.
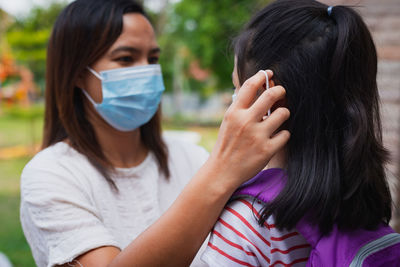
(21, 112)
(28, 38)
(189, 30)
(206, 28)
(40, 17)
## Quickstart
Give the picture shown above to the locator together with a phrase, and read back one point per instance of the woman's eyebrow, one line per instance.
(133, 50)
(129, 49)
(155, 50)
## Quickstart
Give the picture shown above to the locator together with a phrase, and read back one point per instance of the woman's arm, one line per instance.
(245, 144)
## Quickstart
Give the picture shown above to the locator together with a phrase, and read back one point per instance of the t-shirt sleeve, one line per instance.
(238, 240)
(58, 217)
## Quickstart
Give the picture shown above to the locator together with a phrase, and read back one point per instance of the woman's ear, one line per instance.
(80, 82)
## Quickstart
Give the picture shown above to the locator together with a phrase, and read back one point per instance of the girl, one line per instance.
(331, 173)
(105, 173)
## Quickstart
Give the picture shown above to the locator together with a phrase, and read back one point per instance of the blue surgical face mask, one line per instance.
(131, 96)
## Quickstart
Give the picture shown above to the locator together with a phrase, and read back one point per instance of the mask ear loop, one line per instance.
(89, 97)
(266, 88)
(95, 73)
(86, 93)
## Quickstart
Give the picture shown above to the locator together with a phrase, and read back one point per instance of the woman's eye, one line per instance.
(125, 59)
(153, 60)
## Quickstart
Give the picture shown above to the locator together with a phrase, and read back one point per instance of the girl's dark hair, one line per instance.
(328, 65)
(82, 34)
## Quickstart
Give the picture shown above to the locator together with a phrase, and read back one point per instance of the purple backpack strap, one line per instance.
(340, 248)
(380, 247)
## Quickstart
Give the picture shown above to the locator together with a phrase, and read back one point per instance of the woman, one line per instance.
(105, 173)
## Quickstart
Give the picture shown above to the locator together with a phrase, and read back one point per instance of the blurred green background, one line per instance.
(195, 38)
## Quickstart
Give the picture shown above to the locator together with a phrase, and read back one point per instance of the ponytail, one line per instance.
(366, 198)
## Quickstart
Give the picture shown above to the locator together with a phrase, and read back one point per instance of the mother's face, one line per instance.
(136, 46)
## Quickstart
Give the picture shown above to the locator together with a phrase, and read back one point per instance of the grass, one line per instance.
(17, 131)
(22, 128)
(12, 240)
(10, 173)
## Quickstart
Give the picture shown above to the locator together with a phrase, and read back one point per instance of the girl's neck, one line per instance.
(278, 160)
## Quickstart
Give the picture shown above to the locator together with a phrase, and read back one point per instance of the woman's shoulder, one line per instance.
(58, 211)
(57, 161)
(53, 156)
(59, 149)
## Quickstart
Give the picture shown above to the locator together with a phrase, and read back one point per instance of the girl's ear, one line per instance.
(271, 83)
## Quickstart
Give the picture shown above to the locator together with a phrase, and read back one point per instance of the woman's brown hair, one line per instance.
(82, 34)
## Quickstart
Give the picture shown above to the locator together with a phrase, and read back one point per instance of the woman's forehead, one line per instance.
(137, 32)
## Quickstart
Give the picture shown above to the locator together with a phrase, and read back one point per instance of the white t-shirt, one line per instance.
(68, 208)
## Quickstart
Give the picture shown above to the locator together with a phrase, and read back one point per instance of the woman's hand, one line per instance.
(246, 141)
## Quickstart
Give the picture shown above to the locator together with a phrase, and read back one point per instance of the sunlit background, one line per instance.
(197, 62)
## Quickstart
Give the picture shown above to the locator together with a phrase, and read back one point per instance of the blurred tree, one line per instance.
(5, 21)
(206, 29)
(195, 37)
(28, 37)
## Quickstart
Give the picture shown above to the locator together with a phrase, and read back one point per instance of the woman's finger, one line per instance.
(279, 140)
(266, 100)
(248, 91)
(275, 120)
